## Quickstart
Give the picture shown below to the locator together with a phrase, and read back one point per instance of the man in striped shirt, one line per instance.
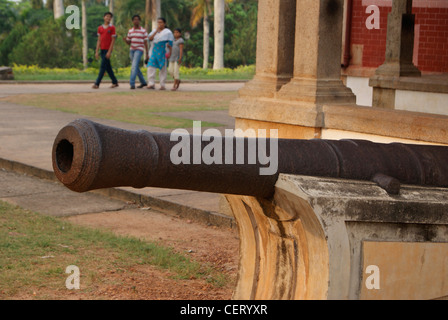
(138, 40)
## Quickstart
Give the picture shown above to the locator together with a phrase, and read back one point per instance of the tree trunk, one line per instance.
(206, 38)
(85, 46)
(156, 12)
(218, 62)
(148, 15)
(49, 5)
(111, 9)
(37, 4)
(58, 8)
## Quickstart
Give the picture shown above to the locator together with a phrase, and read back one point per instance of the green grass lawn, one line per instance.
(90, 77)
(140, 107)
(36, 249)
(34, 73)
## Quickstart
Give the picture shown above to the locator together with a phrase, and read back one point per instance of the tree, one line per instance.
(220, 7)
(85, 43)
(8, 17)
(202, 10)
(37, 4)
(52, 37)
(58, 8)
(14, 37)
(153, 11)
(241, 33)
(111, 9)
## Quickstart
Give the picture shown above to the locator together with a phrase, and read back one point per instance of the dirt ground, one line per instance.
(216, 247)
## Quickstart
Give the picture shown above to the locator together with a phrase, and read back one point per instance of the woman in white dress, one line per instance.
(162, 42)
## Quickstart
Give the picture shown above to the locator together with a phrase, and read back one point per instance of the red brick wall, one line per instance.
(431, 48)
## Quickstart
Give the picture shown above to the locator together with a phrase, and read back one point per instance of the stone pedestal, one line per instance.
(320, 238)
(275, 48)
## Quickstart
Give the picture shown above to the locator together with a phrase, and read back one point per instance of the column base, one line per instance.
(264, 86)
(398, 70)
(318, 92)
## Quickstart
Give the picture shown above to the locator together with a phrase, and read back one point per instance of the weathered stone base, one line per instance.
(317, 237)
(264, 86)
(318, 92)
(398, 69)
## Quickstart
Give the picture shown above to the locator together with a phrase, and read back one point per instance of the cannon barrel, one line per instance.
(87, 156)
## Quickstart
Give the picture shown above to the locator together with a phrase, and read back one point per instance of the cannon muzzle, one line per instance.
(87, 156)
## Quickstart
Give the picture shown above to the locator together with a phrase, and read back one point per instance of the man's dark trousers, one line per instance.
(105, 67)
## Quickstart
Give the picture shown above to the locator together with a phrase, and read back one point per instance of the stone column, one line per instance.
(400, 42)
(318, 49)
(275, 48)
(399, 53)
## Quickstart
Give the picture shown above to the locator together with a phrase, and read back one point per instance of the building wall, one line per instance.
(431, 45)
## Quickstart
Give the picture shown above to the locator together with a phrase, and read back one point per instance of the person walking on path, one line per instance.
(176, 58)
(162, 39)
(105, 43)
(137, 38)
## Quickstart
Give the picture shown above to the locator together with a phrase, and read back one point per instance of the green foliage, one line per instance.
(95, 15)
(61, 49)
(7, 45)
(241, 33)
(51, 45)
(37, 4)
(35, 17)
(8, 16)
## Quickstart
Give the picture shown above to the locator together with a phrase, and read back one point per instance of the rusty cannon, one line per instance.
(309, 217)
(88, 156)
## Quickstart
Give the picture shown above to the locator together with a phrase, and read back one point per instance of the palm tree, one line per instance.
(58, 8)
(202, 11)
(220, 7)
(153, 11)
(111, 9)
(85, 46)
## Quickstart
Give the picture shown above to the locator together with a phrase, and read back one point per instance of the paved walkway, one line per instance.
(27, 135)
(13, 89)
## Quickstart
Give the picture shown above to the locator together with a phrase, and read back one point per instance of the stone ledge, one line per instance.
(390, 123)
(369, 202)
(377, 121)
(426, 83)
(358, 71)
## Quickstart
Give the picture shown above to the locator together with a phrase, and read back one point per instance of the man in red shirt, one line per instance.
(105, 43)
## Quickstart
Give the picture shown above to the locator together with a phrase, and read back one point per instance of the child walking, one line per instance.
(176, 58)
(105, 43)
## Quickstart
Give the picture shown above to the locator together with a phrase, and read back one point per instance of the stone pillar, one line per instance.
(275, 48)
(399, 53)
(400, 42)
(318, 49)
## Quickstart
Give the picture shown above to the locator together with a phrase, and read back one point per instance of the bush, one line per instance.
(32, 17)
(50, 45)
(7, 45)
